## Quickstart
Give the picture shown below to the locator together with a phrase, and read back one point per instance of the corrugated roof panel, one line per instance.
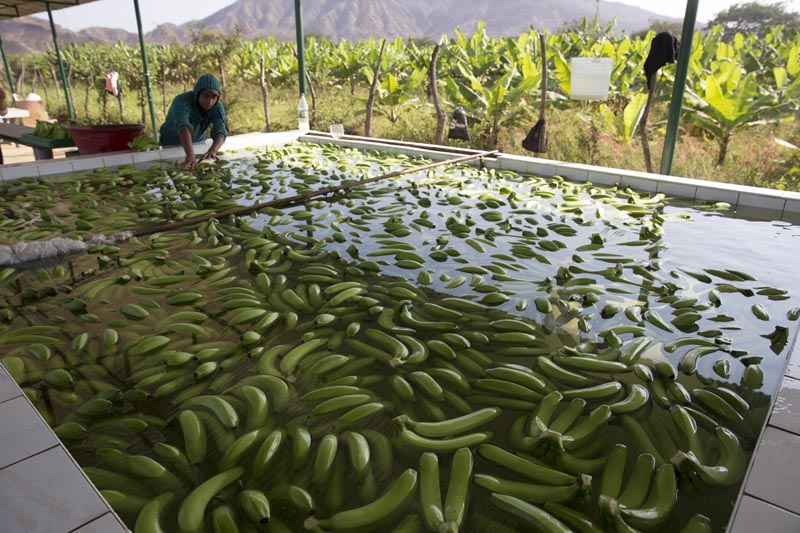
(10, 9)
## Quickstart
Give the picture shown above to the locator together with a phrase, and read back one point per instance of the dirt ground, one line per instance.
(19, 153)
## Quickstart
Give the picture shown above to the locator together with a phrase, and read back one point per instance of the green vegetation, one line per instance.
(741, 97)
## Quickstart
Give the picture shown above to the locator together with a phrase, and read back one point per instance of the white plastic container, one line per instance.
(302, 114)
(590, 78)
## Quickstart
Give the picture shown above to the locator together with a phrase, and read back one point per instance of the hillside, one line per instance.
(351, 19)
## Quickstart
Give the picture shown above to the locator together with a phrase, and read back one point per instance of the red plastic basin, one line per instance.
(105, 137)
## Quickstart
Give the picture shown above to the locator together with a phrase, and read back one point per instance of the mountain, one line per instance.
(348, 19)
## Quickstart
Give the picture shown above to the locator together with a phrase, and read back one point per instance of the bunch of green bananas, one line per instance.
(51, 130)
(142, 143)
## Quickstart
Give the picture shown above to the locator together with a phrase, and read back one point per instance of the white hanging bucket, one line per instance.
(591, 77)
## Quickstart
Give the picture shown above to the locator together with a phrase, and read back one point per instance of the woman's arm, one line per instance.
(188, 148)
(212, 152)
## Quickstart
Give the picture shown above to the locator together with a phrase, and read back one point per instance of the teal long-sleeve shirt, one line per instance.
(185, 113)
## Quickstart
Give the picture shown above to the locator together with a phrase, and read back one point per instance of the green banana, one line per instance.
(324, 460)
(192, 510)
(255, 506)
(730, 469)
(659, 502)
(525, 467)
(358, 451)
(458, 488)
(217, 406)
(368, 517)
(224, 520)
(529, 492)
(149, 518)
(453, 426)
(611, 479)
(430, 494)
(529, 514)
(420, 443)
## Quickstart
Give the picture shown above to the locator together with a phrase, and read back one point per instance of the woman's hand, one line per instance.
(189, 163)
(210, 155)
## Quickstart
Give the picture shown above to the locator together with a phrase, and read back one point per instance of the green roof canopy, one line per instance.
(10, 9)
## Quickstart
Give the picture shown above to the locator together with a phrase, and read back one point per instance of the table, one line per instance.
(42, 148)
(15, 112)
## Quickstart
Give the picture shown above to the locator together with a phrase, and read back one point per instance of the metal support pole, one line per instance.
(301, 49)
(146, 66)
(70, 111)
(8, 72)
(681, 70)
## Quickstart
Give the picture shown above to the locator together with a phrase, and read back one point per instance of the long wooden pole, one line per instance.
(304, 197)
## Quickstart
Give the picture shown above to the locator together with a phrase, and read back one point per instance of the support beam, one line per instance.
(8, 73)
(301, 49)
(146, 66)
(681, 71)
(70, 111)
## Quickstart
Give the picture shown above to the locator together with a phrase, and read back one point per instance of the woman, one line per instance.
(190, 115)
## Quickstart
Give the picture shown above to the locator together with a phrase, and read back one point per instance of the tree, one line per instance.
(755, 17)
(658, 25)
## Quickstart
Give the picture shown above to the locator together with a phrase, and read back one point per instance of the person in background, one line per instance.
(3, 112)
(189, 117)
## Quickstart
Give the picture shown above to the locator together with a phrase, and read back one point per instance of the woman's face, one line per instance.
(207, 98)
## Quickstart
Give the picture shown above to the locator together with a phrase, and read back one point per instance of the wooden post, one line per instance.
(371, 99)
(441, 117)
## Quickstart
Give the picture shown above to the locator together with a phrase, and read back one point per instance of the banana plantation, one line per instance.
(734, 83)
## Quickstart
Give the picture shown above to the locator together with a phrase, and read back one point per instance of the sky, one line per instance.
(121, 13)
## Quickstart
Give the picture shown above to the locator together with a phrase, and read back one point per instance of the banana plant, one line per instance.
(348, 59)
(396, 93)
(729, 102)
(496, 104)
(626, 124)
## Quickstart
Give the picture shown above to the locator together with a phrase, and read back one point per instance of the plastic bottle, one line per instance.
(302, 114)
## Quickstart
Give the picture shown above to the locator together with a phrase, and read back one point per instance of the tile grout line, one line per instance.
(95, 519)
(57, 445)
(13, 398)
(762, 500)
(789, 431)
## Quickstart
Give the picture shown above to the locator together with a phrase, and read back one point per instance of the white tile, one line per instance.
(792, 206)
(149, 156)
(8, 389)
(87, 163)
(47, 494)
(108, 523)
(793, 370)
(791, 217)
(638, 184)
(676, 189)
(718, 194)
(118, 159)
(12, 172)
(514, 164)
(786, 411)
(762, 201)
(757, 213)
(574, 173)
(24, 433)
(755, 515)
(171, 152)
(542, 169)
(51, 169)
(605, 179)
(775, 473)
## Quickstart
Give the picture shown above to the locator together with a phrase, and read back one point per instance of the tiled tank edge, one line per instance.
(793, 354)
(30, 462)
